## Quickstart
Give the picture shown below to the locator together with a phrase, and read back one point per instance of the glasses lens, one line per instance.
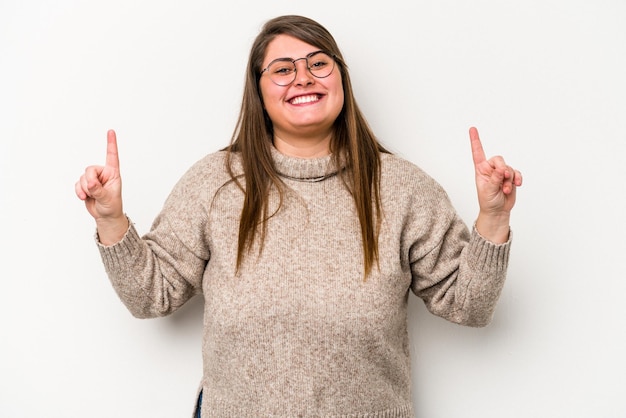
(321, 64)
(282, 72)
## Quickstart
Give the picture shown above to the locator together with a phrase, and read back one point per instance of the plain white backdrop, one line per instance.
(543, 80)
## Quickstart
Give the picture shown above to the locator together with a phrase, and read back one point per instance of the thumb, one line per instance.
(95, 189)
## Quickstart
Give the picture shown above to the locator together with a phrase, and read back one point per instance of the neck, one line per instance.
(303, 147)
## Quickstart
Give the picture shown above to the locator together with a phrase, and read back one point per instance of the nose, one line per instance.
(303, 75)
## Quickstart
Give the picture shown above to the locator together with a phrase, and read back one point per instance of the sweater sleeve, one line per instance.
(461, 277)
(458, 274)
(156, 274)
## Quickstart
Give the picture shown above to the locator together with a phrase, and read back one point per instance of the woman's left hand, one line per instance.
(496, 184)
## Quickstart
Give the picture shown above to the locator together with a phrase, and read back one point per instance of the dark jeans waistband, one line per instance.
(199, 406)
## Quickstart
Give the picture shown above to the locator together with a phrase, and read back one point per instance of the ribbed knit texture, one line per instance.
(299, 332)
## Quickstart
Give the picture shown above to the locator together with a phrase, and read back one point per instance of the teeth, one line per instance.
(305, 99)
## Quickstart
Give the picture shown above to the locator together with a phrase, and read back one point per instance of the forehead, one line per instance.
(285, 46)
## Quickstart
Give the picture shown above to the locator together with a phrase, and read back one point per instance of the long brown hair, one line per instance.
(353, 144)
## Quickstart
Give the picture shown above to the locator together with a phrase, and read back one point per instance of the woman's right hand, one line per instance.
(100, 187)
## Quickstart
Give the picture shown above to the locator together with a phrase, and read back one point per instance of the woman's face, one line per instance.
(307, 108)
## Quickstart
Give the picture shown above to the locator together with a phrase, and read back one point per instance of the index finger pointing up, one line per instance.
(478, 154)
(112, 159)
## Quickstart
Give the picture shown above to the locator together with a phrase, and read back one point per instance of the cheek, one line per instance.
(269, 90)
(270, 95)
(339, 90)
(339, 98)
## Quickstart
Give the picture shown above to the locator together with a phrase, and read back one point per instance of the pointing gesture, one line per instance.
(100, 187)
(496, 184)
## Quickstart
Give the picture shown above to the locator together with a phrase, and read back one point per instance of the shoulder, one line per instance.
(413, 200)
(212, 164)
(211, 169)
(204, 178)
(400, 174)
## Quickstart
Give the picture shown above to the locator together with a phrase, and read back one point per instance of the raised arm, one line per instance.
(100, 187)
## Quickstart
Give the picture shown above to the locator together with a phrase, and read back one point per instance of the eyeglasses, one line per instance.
(282, 71)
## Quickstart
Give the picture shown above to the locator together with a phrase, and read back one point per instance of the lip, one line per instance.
(305, 98)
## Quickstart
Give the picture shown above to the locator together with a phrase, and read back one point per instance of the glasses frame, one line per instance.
(295, 72)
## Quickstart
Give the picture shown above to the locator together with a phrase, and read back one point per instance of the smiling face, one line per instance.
(303, 112)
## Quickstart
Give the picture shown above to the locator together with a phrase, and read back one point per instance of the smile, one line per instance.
(304, 99)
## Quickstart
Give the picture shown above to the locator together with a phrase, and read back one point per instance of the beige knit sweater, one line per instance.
(299, 332)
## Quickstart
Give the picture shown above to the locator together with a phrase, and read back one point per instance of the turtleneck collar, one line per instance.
(304, 169)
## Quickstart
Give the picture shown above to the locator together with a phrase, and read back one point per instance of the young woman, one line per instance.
(305, 236)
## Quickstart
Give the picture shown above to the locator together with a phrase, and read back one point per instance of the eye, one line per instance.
(319, 61)
(282, 68)
(318, 64)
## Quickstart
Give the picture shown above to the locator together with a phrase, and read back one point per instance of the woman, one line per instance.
(305, 236)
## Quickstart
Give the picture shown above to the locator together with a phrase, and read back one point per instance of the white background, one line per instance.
(543, 80)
